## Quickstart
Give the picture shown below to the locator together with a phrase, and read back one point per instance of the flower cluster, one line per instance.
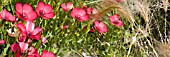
(28, 31)
(83, 14)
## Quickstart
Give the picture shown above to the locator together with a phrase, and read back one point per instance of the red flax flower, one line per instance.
(5, 15)
(25, 12)
(29, 30)
(44, 10)
(90, 10)
(47, 54)
(33, 52)
(79, 14)
(67, 6)
(100, 27)
(115, 20)
(20, 47)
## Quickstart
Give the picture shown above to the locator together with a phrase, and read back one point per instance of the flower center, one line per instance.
(23, 16)
(29, 34)
(77, 17)
(115, 22)
(41, 13)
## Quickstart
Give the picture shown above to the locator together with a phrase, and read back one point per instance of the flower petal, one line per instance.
(3, 14)
(74, 12)
(96, 23)
(89, 10)
(44, 40)
(81, 12)
(22, 28)
(100, 27)
(37, 30)
(84, 18)
(27, 8)
(49, 15)
(40, 5)
(32, 50)
(37, 37)
(30, 26)
(65, 26)
(115, 17)
(47, 54)
(19, 8)
(2, 42)
(31, 16)
(11, 19)
(8, 16)
(23, 46)
(94, 11)
(17, 54)
(19, 15)
(64, 7)
(69, 5)
(15, 47)
(47, 8)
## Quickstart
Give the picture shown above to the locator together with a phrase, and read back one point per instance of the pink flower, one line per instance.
(33, 52)
(115, 20)
(79, 14)
(94, 11)
(67, 6)
(119, 1)
(15, 47)
(44, 10)
(47, 54)
(100, 26)
(5, 15)
(23, 46)
(2, 42)
(90, 10)
(20, 47)
(44, 40)
(29, 30)
(25, 12)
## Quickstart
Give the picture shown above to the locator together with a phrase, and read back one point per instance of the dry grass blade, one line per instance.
(163, 49)
(143, 8)
(106, 6)
(165, 5)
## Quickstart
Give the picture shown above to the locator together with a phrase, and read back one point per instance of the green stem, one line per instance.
(5, 50)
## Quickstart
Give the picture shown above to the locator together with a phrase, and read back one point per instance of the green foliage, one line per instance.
(132, 40)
